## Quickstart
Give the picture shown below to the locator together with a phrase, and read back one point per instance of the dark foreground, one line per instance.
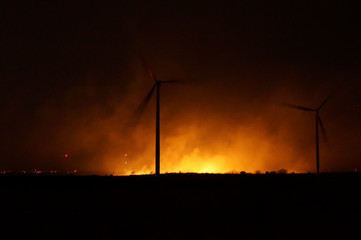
(182, 206)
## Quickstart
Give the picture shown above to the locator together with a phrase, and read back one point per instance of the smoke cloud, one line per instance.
(73, 79)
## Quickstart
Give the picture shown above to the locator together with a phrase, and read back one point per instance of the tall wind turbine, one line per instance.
(318, 123)
(156, 87)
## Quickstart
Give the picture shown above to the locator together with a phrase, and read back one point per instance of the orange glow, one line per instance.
(244, 148)
(200, 132)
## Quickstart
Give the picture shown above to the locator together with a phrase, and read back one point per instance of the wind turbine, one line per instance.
(156, 87)
(318, 123)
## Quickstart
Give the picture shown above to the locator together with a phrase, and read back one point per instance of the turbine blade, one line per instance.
(151, 73)
(149, 69)
(298, 107)
(135, 117)
(145, 101)
(171, 81)
(325, 101)
(323, 130)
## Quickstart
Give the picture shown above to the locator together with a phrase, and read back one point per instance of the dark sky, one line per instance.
(70, 78)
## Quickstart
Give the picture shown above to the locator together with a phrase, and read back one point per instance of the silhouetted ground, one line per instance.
(182, 206)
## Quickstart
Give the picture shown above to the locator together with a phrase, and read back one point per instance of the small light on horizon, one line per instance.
(66, 155)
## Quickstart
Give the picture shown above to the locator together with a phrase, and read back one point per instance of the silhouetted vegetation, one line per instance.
(282, 171)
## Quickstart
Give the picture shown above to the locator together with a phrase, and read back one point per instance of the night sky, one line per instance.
(72, 74)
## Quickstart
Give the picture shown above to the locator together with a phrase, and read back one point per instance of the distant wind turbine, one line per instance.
(156, 87)
(318, 122)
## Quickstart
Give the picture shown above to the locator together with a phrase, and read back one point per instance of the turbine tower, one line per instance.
(156, 87)
(318, 122)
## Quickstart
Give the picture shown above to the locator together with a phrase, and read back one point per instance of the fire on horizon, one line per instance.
(71, 80)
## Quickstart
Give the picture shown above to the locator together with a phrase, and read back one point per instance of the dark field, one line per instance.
(182, 206)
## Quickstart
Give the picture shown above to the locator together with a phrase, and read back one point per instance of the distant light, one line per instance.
(125, 154)
(75, 170)
(125, 163)
(66, 155)
(355, 169)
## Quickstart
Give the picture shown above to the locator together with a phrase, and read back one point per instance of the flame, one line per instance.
(190, 151)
